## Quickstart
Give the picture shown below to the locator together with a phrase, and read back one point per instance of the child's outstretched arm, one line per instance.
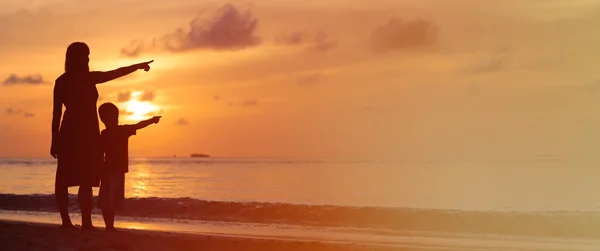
(145, 123)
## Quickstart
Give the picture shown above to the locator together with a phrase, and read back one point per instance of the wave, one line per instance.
(548, 224)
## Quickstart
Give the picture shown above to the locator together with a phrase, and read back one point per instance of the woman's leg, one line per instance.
(85, 203)
(61, 192)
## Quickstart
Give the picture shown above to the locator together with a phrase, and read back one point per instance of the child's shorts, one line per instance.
(112, 192)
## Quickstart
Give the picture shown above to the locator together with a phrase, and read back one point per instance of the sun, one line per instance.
(138, 110)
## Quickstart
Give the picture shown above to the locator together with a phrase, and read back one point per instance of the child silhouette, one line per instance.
(114, 141)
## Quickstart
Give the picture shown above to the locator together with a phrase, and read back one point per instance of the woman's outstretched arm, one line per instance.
(56, 116)
(101, 77)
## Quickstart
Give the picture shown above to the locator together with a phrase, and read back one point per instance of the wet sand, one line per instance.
(24, 236)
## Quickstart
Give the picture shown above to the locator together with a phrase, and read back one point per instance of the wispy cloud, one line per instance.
(182, 122)
(19, 111)
(124, 96)
(245, 103)
(14, 79)
(148, 95)
(310, 79)
(11, 110)
(154, 113)
(317, 41)
(398, 34)
(252, 102)
(228, 29)
(125, 112)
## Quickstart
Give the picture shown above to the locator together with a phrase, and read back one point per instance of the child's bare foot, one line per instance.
(111, 229)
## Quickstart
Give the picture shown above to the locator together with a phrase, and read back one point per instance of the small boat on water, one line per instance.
(199, 155)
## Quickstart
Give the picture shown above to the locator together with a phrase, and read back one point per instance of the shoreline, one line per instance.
(548, 224)
(244, 230)
(25, 236)
(279, 233)
(39, 234)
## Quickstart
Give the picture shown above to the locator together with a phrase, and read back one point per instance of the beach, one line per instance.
(25, 236)
(39, 231)
(235, 204)
(29, 236)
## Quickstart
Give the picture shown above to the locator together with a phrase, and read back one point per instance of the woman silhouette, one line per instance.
(75, 141)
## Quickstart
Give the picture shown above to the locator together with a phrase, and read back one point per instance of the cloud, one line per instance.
(124, 96)
(125, 112)
(137, 47)
(14, 79)
(148, 95)
(245, 103)
(228, 29)
(310, 79)
(154, 113)
(13, 111)
(182, 122)
(398, 34)
(250, 102)
(318, 41)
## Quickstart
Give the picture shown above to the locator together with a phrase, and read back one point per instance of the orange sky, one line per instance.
(433, 80)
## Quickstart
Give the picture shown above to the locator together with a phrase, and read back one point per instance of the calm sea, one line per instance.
(530, 198)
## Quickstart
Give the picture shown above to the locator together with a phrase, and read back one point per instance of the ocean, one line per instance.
(543, 198)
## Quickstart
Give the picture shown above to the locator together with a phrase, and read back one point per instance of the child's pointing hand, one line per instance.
(155, 119)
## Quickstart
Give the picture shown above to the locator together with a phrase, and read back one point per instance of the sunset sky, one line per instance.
(377, 79)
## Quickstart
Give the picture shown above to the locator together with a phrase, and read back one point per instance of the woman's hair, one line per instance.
(77, 59)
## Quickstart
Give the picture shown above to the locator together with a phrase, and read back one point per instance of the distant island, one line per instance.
(199, 155)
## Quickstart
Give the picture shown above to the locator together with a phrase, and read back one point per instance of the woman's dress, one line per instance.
(80, 157)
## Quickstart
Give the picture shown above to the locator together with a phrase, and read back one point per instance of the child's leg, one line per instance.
(109, 218)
